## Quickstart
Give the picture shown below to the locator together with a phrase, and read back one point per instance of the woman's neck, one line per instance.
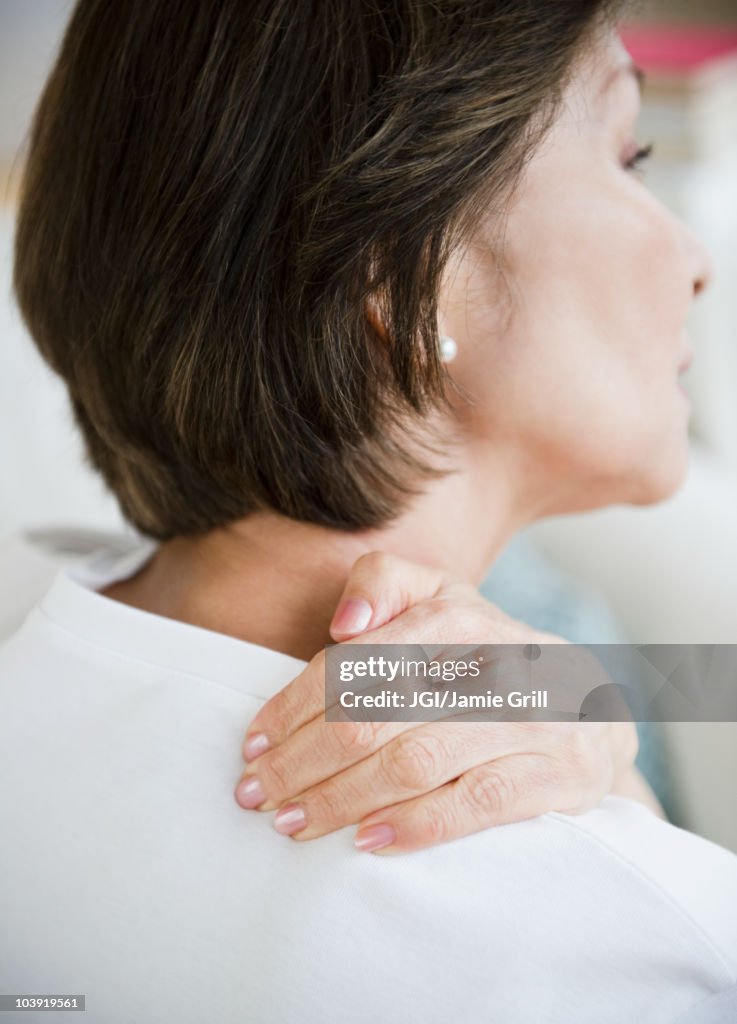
(276, 582)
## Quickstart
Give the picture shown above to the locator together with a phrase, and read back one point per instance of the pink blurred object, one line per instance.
(678, 49)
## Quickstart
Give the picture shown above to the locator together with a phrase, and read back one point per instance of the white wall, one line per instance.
(30, 31)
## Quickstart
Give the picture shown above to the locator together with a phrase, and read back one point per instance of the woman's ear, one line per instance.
(374, 318)
(448, 346)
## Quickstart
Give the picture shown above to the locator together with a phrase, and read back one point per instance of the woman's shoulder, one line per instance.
(31, 559)
(694, 879)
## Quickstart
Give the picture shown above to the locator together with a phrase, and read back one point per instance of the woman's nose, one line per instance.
(702, 270)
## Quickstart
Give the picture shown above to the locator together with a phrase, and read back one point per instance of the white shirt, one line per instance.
(128, 873)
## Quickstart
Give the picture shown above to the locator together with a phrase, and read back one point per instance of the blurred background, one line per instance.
(666, 574)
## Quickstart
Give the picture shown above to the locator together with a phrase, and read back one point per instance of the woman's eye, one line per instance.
(636, 160)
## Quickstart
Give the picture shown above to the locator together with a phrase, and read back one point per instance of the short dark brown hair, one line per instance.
(215, 190)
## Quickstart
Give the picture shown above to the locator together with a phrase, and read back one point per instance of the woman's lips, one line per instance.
(682, 367)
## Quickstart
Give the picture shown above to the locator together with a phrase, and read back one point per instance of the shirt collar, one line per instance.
(73, 602)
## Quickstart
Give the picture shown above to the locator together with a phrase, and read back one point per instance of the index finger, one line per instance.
(288, 710)
(303, 699)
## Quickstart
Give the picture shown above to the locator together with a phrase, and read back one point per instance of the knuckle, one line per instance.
(290, 706)
(275, 771)
(434, 824)
(376, 563)
(490, 791)
(582, 754)
(325, 806)
(354, 739)
(283, 710)
(415, 763)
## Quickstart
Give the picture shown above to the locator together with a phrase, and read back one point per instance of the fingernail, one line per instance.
(255, 745)
(249, 792)
(374, 837)
(290, 819)
(353, 616)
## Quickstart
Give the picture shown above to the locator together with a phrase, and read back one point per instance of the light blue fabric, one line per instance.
(527, 586)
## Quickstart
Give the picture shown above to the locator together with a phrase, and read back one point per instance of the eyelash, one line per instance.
(639, 157)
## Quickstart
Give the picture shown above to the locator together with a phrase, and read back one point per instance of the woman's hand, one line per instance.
(414, 784)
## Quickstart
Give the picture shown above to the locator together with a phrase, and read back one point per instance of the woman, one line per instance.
(244, 230)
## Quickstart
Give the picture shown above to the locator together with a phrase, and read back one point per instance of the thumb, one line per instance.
(380, 587)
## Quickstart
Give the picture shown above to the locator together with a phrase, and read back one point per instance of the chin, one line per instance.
(634, 481)
(664, 478)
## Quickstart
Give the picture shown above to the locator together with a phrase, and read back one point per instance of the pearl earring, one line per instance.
(448, 349)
